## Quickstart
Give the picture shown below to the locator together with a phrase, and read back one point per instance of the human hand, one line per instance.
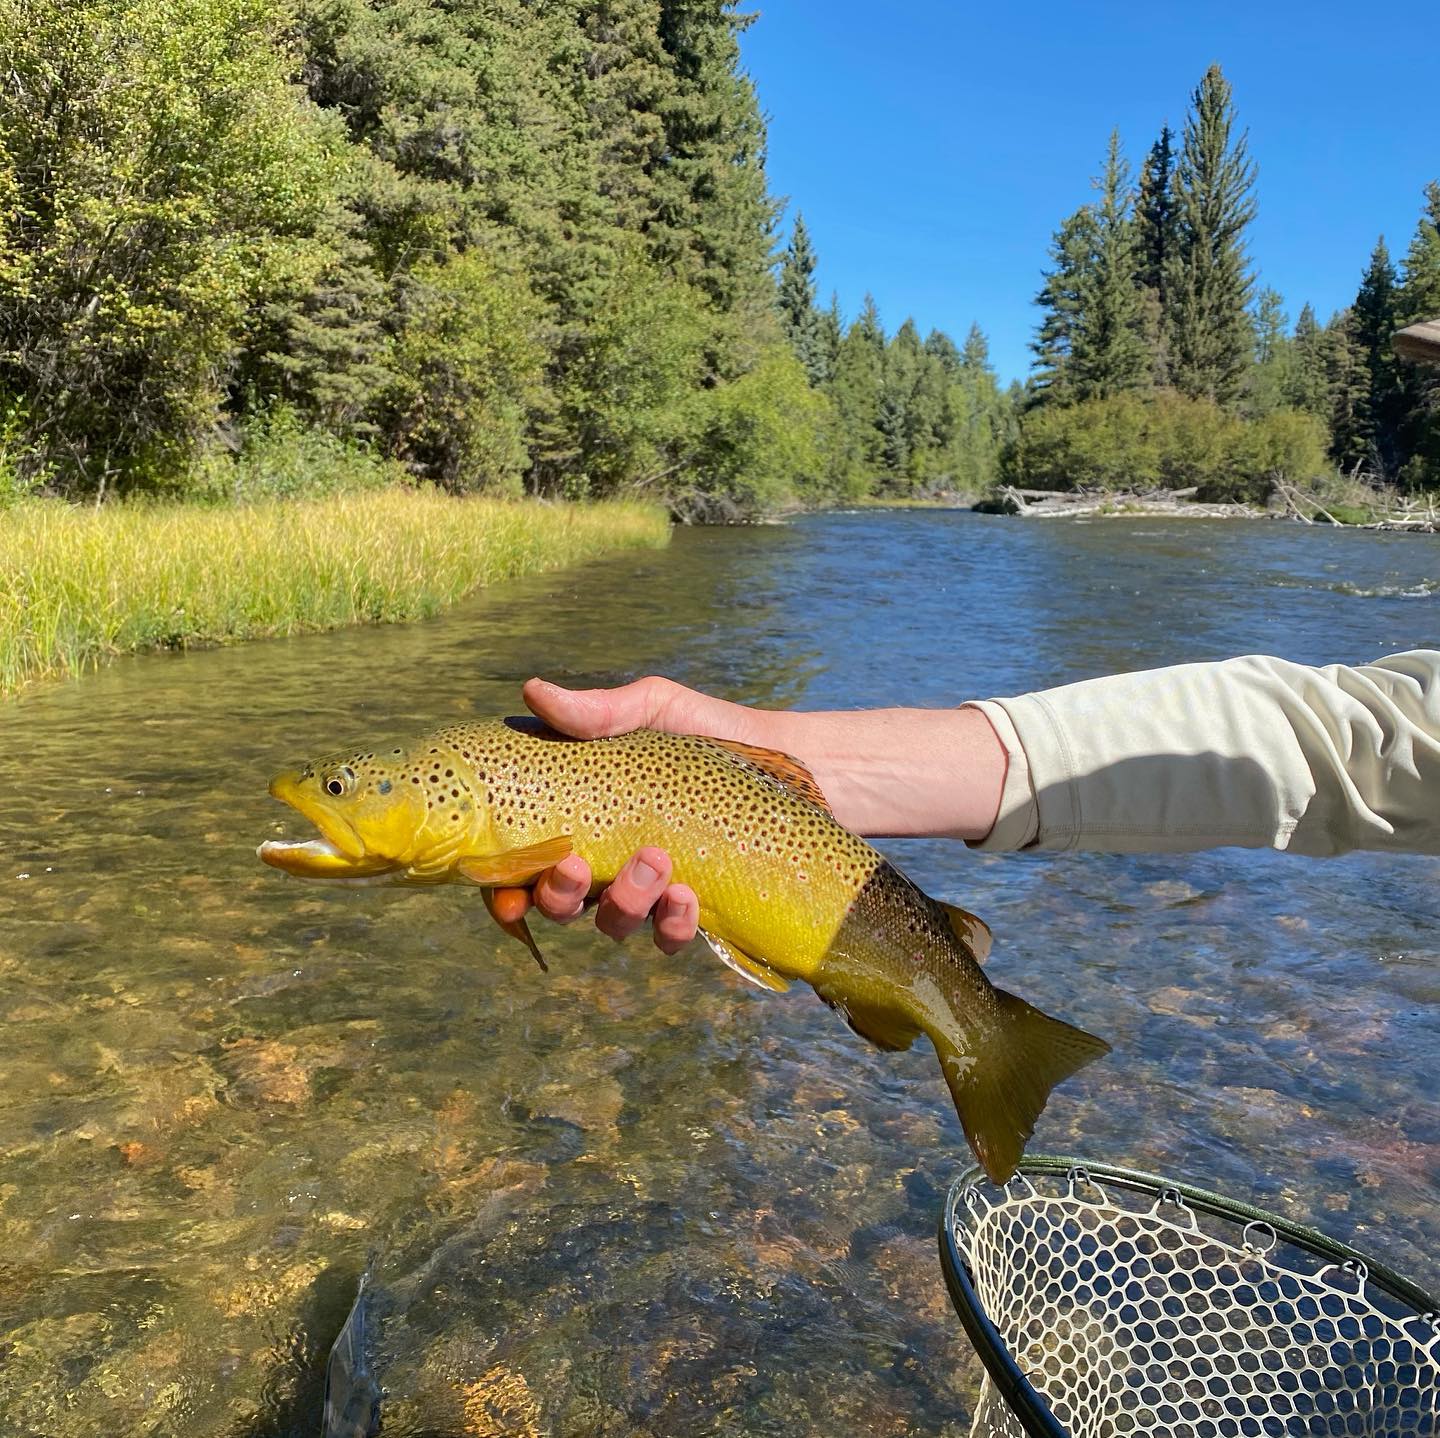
(902, 772)
(642, 890)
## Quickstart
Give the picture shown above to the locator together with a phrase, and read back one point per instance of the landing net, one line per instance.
(1107, 1303)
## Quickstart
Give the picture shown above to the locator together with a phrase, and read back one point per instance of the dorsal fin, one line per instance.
(783, 768)
(972, 932)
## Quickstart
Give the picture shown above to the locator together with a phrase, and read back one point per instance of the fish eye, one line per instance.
(340, 781)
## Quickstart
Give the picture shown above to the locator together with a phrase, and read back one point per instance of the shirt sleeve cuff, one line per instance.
(1017, 825)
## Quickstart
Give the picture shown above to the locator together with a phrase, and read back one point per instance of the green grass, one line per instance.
(80, 585)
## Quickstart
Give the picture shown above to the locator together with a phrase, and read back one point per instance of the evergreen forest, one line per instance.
(518, 248)
(1161, 360)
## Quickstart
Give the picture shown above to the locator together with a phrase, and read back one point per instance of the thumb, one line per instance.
(645, 704)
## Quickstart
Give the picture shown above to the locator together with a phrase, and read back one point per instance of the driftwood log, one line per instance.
(1076, 504)
(1417, 514)
(1419, 342)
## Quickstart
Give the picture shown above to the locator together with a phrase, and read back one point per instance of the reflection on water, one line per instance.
(636, 1196)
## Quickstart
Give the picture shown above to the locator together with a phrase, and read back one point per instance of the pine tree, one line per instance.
(1063, 297)
(1372, 437)
(325, 349)
(626, 82)
(798, 315)
(829, 331)
(1108, 350)
(1268, 381)
(857, 389)
(981, 417)
(940, 347)
(975, 357)
(1306, 387)
(902, 370)
(1155, 215)
(714, 215)
(1209, 283)
(1155, 244)
(1346, 383)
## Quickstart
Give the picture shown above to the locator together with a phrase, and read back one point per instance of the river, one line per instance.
(636, 1196)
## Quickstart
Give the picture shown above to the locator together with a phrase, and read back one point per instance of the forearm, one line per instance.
(898, 772)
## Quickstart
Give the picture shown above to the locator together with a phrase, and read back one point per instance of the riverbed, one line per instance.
(635, 1196)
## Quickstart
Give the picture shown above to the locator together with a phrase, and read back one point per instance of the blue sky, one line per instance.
(934, 147)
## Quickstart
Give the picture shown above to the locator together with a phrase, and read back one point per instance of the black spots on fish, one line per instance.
(384, 787)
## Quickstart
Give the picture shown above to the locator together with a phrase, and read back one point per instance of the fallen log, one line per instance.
(1069, 504)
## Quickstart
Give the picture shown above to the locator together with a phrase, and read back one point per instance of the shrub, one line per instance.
(1134, 442)
(281, 457)
(755, 443)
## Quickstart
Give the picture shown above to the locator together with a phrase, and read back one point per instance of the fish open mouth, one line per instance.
(338, 853)
(320, 859)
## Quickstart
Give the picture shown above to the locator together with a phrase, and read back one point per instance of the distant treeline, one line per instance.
(504, 246)
(265, 245)
(1158, 361)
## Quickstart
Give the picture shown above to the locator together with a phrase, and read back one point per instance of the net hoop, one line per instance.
(1259, 1233)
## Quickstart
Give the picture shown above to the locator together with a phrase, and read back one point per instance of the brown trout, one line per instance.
(785, 892)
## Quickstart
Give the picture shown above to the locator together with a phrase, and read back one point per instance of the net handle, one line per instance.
(1014, 1387)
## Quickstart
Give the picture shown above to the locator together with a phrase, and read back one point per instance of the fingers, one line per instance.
(560, 892)
(677, 918)
(641, 891)
(626, 904)
(651, 703)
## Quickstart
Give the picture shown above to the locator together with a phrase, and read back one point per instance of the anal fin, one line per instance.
(754, 971)
(886, 1031)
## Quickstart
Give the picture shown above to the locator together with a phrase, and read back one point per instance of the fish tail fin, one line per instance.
(1001, 1078)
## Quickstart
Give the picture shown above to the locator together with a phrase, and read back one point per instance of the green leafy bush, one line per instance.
(279, 456)
(1127, 442)
(755, 444)
(159, 173)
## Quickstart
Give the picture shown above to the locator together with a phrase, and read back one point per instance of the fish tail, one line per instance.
(1001, 1078)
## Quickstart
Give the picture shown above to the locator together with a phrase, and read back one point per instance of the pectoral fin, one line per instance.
(972, 932)
(507, 908)
(754, 971)
(514, 866)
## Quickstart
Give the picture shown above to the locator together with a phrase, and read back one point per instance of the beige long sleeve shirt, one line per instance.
(1253, 751)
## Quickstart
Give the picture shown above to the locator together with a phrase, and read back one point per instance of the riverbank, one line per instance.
(80, 585)
(1358, 506)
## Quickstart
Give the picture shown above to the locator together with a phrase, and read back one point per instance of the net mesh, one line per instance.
(1134, 1317)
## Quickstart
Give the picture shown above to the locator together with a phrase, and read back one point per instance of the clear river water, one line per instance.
(635, 1196)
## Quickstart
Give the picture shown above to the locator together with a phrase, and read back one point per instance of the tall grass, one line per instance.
(77, 585)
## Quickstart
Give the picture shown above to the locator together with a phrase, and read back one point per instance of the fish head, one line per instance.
(372, 824)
